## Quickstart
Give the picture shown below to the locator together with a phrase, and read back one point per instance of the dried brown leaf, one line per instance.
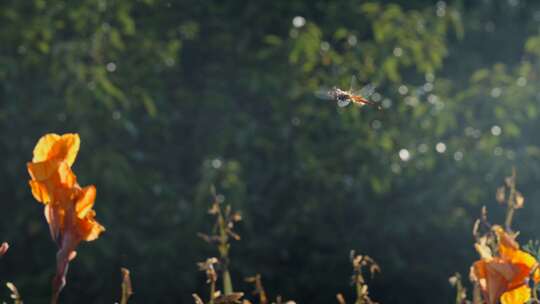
(520, 200)
(501, 195)
(341, 299)
(236, 217)
(214, 209)
(509, 181)
(15, 295)
(208, 267)
(233, 298)
(127, 289)
(4, 248)
(197, 299)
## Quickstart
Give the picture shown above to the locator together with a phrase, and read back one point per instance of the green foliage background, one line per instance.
(170, 97)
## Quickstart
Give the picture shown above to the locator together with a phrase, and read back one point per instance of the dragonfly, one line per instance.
(344, 98)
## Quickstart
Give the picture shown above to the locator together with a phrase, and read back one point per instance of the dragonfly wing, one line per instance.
(354, 83)
(366, 90)
(343, 102)
(323, 93)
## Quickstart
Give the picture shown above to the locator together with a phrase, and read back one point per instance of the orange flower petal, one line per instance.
(507, 243)
(521, 257)
(536, 276)
(53, 219)
(66, 177)
(522, 261)
(51, 181)
(54, 146)
(88, 228)
(506, 270)
(85, 201)
(517, 296)
(40, 192)
(41, 171)
(496, 283)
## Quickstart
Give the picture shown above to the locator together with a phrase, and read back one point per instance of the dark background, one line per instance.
(170, 97)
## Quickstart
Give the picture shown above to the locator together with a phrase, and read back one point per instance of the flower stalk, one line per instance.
(222, 233)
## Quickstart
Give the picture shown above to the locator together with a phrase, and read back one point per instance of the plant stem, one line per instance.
(54, 298)
(359, 289)
(212, 292)
(511, 202)
(224, 252)
(509, 216)
(227, 282)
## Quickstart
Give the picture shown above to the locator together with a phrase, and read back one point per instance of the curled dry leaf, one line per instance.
(208, 267)
(520, 200)
(211, 239)
(197, 299)
(501, 195)
(510, 181)
(234, 235)
(340, 298)
(236, 216)
(233, 298)
(15, 295)
(259, 288)
(4, 248)
(476, 228)
(127, 289)
(214, 209)
(482, 247)
(461, 292)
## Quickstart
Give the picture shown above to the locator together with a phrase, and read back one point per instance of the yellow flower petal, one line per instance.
(517, 296)
(43, 146)
(53, 146)
(521, 257)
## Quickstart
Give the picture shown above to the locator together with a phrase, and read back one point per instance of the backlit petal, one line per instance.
(521, 257)
(41, 171)
(53, 146)
(516, 296)
(507, 243)
(40, 192)
(85, 201)
(496, 281)
(66, 177)
(88, 228)
(66, 148)
(43, 146)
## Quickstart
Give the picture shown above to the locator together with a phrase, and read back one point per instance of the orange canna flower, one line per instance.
(68, 207)
(505, 277)
(50, 169)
